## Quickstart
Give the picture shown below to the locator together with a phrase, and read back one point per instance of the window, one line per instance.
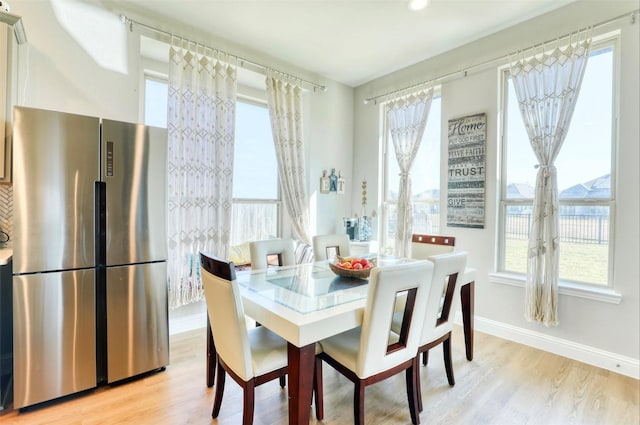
(425, 182)
(585, 179)
(155, 102)
(256, 200)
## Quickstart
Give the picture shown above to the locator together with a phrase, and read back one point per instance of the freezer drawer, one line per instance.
(53, 335)
(137, 319)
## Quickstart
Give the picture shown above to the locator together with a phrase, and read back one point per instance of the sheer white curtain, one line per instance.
(547, 87)
(285, 113)
(201, 127)
(406, 120)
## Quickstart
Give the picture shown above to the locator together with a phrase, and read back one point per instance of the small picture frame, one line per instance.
(333, 181)
(324, 182)
(341, 183)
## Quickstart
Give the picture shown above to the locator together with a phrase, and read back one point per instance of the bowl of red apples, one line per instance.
(352, 267)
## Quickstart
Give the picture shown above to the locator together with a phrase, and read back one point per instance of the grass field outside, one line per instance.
(578, 262)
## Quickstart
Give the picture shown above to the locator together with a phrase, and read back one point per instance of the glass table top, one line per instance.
(308, 287)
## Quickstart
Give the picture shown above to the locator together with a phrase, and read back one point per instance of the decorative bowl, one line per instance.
(357, 273)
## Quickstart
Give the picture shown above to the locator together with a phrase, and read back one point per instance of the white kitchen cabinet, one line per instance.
(5, 147)
(11, 34)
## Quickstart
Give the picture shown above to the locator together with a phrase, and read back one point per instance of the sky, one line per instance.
(586, 152)
(255, 170)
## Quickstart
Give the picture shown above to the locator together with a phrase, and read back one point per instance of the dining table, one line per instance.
(308, 302)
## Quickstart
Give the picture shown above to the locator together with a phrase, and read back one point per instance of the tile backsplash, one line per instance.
(6, 209)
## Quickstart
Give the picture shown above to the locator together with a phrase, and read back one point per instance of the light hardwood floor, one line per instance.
(506, 383)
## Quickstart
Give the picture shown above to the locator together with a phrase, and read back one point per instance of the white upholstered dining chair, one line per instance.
(325, 245)
(424, 246)
(272, 252)
(372, 352)
(281, 250)
(251, 357)
(438, 319)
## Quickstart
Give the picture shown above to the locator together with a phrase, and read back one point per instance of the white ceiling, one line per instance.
(350, 41)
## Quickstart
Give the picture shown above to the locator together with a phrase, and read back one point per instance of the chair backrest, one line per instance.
(303, 253)
(444, 294)
(283, 249)
(328, 246)
(379, 350)
(226, 314)
(424, 246)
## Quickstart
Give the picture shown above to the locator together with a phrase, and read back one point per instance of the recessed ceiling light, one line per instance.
(418, 4)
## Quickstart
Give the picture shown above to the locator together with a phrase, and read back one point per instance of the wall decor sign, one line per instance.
(332, 183)
(466, 171)
(324, 182)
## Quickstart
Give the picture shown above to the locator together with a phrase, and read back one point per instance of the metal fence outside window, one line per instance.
(579, 228)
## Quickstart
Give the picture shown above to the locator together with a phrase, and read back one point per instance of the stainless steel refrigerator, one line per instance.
(89, 253)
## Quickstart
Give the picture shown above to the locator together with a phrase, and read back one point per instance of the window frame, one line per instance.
(567, 286)
(386, 203)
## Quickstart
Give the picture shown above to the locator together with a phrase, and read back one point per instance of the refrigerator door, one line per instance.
(134, 167)
(54, 335)
(137, 319)
(56, 162)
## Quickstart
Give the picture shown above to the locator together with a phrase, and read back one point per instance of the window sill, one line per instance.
(565, 288)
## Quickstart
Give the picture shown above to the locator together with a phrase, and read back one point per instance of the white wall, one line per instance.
(594, 331)
(331, 146)
(81, 59)
(61, 68)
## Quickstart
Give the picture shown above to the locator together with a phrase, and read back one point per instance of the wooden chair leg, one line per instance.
(249, 400)
(418, 383)
(410, 377)
(358, 404)
(318, 389)
(217, 402)
(211, 356)
(425, 358)
(283, 381)
(448, 365)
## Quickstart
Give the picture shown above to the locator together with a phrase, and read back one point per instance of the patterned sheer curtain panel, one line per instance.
(201, 127)
(285, 112)
(547, 86)
(406, 120)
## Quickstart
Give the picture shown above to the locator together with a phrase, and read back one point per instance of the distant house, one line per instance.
(427, 194)
(596, 188)
(593, 189)
(577, 191)
(520, 191)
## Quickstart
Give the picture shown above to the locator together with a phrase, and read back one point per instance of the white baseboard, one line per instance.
(594, 356)
(188, 317)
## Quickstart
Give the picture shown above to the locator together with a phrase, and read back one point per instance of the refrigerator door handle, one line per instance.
(100, 223)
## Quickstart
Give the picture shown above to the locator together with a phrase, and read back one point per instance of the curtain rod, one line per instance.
(464, 71)
(243, 62)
